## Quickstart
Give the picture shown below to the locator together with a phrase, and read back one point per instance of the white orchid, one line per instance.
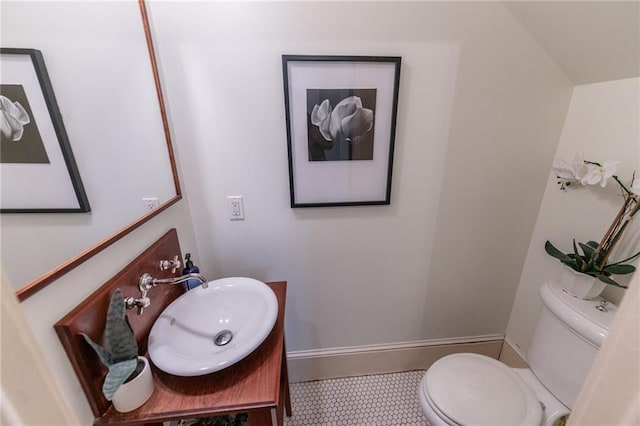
(347, 120)
(599, 174)
(13, 118)
(594, 260)
(585, 172)
(570, 172)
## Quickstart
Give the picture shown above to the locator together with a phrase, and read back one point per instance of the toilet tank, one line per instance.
(566, 340)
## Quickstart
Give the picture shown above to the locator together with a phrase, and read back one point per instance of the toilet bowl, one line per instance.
(467, 388)
(471, 389)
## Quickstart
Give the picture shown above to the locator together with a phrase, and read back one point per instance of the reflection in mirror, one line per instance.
(97, 57)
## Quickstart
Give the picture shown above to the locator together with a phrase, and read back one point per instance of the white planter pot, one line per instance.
(581, 285)
(133, 394)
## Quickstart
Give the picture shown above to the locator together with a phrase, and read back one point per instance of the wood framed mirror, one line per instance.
(104, 72)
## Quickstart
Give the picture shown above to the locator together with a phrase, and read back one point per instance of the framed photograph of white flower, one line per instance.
(341, 119)
(38, 173)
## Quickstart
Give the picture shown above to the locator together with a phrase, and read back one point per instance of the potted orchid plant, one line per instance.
(594, 258)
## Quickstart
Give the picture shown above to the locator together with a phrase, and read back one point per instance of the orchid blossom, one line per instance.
(594, 259)
(585, 172)
(599, 174)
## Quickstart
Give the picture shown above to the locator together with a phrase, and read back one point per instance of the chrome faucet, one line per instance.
(147, 282)
(141, 303)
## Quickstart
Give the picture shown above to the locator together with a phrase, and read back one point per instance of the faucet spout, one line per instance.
(147, 281)
(181, 279)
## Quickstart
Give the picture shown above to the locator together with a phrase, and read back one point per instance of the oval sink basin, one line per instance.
(208, 329)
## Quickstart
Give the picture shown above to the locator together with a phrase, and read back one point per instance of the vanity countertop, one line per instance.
(257, 384)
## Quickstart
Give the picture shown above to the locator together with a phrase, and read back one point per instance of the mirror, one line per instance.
(100, 60)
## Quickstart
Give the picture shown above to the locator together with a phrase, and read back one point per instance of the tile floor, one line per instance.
(378, 400)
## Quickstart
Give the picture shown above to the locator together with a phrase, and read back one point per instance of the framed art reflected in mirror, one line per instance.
(37, 166)
(102, 67)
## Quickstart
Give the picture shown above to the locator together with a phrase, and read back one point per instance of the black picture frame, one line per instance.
(48, 182)
(341, 114)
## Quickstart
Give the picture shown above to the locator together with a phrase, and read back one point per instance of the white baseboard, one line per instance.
(512, 355)
(377, 359)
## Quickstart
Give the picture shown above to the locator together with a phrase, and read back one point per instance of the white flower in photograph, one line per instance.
(321, 117)
(347, 120)
(13, 118)
(350, 119)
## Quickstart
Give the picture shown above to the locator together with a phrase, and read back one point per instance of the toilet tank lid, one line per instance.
(578, 314)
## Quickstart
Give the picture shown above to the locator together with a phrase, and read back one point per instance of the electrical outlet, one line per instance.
(236, 207)
(150, 203)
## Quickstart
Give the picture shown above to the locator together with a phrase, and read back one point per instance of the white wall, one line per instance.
(28, 382)
(602, 123)
(480, 113)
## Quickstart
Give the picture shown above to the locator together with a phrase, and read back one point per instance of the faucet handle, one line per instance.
(141, 303)
(144, 302)
(602, 307)
(170, 264)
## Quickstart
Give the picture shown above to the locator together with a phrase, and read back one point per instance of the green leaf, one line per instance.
(554, 252)
(619, 269)
(608, 280)
(571, 264)
(588, 250)
(579, 261)
(104, 354)
(117, 375)
(592, 244)
(118, 330)
(627, 259)
(123, 342)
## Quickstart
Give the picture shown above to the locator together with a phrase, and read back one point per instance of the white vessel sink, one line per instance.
(208, 329)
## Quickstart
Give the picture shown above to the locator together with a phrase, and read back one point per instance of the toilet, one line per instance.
(472, 389)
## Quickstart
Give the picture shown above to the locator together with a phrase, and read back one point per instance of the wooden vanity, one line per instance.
(257, 385)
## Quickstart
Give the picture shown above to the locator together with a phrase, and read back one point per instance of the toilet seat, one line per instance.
(474, 389)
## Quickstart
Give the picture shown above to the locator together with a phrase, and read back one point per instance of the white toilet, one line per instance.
(471, 389)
